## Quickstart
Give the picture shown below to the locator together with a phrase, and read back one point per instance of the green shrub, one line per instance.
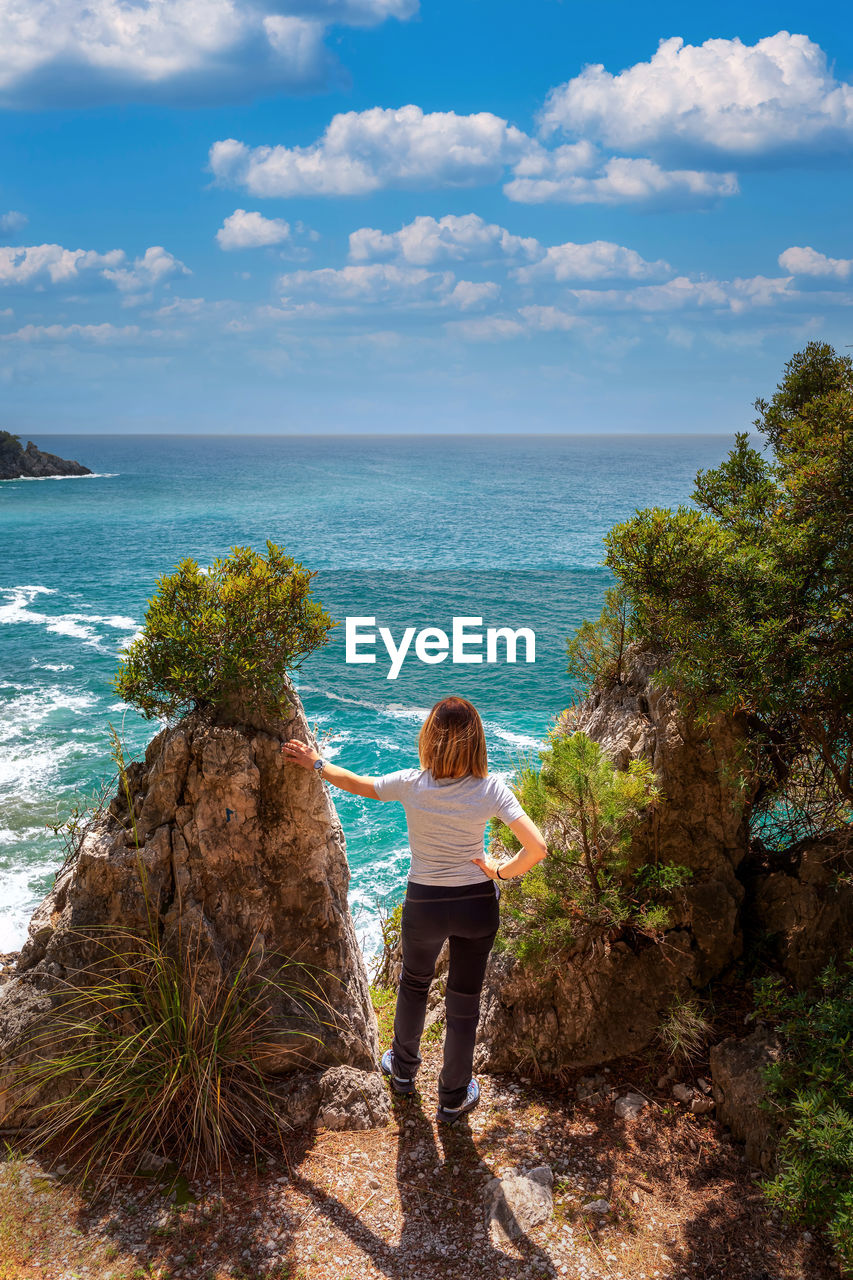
(146, 1052)
(684, 1030)
(811, 1089)
(747, 596)
(223, 637)
(588, 810)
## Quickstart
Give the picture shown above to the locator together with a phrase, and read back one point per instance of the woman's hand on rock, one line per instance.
(489, 865)
(296, 752)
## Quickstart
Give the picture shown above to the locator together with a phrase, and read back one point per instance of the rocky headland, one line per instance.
(590, 1153)
(17, 462)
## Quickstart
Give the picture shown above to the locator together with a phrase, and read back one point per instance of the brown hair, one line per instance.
(452, 743)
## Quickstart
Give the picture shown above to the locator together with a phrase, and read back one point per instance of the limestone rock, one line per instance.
(805, 908)
(630, 1105)
(352, 1099)
(518, 1202)
(609, 1001)
(238, 853)
(736, 1073)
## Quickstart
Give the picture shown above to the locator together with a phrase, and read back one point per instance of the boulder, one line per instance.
(227, 852)
(608, 1001)
(737, 1077)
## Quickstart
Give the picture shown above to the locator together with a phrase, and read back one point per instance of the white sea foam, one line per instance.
(25, 714)
(29, 767)
(53, 666)
(19, 898)
(93, 475)
(78, 626)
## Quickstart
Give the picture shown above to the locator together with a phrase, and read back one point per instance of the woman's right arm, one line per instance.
(533, 849)
(356, 784)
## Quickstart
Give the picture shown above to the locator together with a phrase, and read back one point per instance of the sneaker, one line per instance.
(472, 1097)
(400, 1084)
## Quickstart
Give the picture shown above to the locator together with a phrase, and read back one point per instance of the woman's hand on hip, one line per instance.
(296, 752)
(489, 865)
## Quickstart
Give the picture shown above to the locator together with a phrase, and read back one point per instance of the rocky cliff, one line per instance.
(17, 462)
(238, 853)
(609, 1000)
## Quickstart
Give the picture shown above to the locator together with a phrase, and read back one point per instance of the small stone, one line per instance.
(663, 1081)
(635, 1196)
(704, 1085)
(701, 1106)
(630, 1105)
(514, 1203)
(682, 1092)
(597, 1206)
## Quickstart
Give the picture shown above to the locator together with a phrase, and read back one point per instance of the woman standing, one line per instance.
(448, 802)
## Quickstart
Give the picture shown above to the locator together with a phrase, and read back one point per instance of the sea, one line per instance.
(409, 532)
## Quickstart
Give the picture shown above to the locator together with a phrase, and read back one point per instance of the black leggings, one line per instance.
(468, 915)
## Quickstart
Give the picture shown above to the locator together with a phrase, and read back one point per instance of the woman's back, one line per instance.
(446, 820)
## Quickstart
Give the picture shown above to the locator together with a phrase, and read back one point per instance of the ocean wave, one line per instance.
(93, 475)
(34, 768)
(396, 710)
(28, 712)
(78, 626)
(20, 898)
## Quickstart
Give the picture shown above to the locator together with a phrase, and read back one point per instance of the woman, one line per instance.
(448, 802)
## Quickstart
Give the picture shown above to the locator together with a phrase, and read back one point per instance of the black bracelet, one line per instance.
(498, 873)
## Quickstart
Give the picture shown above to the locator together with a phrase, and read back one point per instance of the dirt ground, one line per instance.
(407, 1203)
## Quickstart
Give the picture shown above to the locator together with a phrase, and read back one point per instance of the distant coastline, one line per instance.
(18, 463)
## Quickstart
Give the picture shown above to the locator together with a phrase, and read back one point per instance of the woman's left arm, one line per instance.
(298, 753)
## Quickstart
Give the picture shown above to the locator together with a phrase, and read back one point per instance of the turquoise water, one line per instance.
(411, 531)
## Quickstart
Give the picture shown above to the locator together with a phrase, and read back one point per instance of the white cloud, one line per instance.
(376, 283)
(722, 97)
(381, 283)
(549, 318)
(622, 180)
(156, 264)
(597, 260)
(801, 260)
(248, 230)
(84, 50)
(364, 151)
(683, 293)
(38, 263)
(12, 221)
(468, 295)
(22, 264)
(100, 334)
(486, 328)
(426, 241)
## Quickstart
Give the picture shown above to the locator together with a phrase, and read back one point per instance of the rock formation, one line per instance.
(608, 1001)
(239, 853)
(17, 462)
(737, 1068)
(802, 906)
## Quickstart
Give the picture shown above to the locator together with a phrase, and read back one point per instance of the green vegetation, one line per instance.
(588, 811)
(747, 595)
(224, 638)
(149, 1051)
(811, 1089)
(684, 1030)
(155, 1048)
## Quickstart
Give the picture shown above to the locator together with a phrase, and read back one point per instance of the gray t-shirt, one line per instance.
(447, 820)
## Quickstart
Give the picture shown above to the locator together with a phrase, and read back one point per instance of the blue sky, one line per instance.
(374, 215)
